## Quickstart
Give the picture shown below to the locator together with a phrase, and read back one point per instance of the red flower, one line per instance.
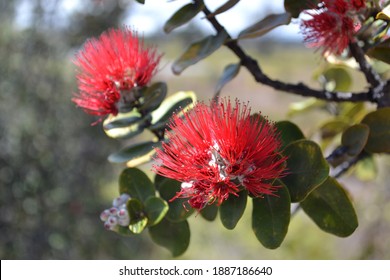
(111, 66)
(332, 25)
(218, 150)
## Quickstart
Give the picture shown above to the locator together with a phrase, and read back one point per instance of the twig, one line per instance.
(253, 67)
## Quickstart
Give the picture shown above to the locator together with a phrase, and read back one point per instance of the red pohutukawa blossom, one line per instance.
(217, 151)
(332, 25)
(111, 66)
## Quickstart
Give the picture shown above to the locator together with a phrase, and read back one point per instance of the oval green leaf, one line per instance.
(122, 120)
(331, 209)
(136, 183)
(198, 51)
(152, 97)
(155, 209)
(331, 128)
(173, 236)
(179, 209)
(126, 125)
(355, 138)
(138, 219)
(289, 132)
(306, 168)
(228, 74)
(379, 137)
(232, 209)
(210, 212)
(182, 16)
(134, 152)
(177, 103)
(295, 7)
(271, 217)
(265, 25)
(336, 79)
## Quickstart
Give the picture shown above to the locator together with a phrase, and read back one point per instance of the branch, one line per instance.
(300, 88)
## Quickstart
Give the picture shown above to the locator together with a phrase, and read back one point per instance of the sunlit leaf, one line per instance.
(289, 132)
(173, 236)
(136, 183)
(366, 169)
(336, 78)
(182, 16)
(225, 7)
(331, 128)
(126, 125)
(306, 168)
(265, 25)
(304, 106)
(355, 138)
(228, 74)
(232, 209)
(331, 209)
(384, 14)
(155, 209)
(379, 137)
(198, 51)
(176, 103)
(138, 219)
(133, 152)
(179, 209)
(271, 217)
(295, 7)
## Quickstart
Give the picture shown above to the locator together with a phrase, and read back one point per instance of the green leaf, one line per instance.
(232, 209)
(366, 169)
(179, 209)
(331, 128)
(198, 51)
(265, 25)
(379, 137)
(331, 209)
(126, 125)
(173, 236)
(136, 183)
(336, 79)
(152, 97)
(355, 138)
(141, 1)
(305, 106)
(134, 152)
(228, 74)
(381, 51)
(210, 212)
(155, 209)
(225, 7)
(271, 217)
(177, 103)
(138, 219)
(182, 16)
(306, 168)
(295, 7)
(122, 120)
(289, 132)
(125, 231)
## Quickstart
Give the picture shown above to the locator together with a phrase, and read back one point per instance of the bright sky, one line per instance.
(150, 17)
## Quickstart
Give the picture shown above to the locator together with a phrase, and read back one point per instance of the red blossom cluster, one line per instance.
(110, 66)
(332, 25)
(217, 151)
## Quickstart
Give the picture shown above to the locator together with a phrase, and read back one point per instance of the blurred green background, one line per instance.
(54, 176)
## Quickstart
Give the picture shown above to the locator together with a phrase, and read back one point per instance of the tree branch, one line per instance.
(253, 67)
